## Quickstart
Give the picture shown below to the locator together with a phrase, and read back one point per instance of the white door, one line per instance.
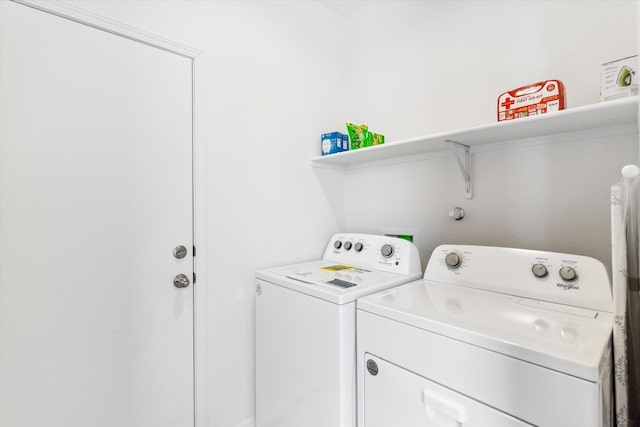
(95, 194)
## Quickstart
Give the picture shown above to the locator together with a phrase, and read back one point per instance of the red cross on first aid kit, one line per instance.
(531, 100)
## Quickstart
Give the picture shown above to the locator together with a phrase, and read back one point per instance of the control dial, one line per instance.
(568, 274)
(453, 260)
(358, 247)
(347, 245)
(387, 250)
(337, 244)
(539, 270)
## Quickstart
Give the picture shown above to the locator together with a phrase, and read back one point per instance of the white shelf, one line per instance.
(605, 114)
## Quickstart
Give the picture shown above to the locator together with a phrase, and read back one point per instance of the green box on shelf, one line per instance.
(358, 135)
(361, 137)
(377, 138)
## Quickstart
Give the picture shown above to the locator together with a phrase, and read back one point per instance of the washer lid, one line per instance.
(336, 283)
(563, 338)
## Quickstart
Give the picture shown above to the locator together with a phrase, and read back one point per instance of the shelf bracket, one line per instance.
(465, 168)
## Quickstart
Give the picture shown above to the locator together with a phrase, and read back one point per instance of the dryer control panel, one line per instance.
(382, 253)
(548, 276)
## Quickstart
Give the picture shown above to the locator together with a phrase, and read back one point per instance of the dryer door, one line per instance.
(396, 397)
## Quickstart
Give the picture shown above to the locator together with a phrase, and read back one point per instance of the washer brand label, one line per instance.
(567, 286)
(338, 267)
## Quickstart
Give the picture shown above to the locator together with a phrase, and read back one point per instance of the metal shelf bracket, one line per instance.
(465, 168)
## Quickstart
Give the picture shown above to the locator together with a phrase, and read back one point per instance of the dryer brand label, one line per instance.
(568, 286)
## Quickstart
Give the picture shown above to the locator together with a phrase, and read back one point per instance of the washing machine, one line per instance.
(490, 337)
(306, 326)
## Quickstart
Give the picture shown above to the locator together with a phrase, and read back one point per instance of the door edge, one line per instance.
(200, 294)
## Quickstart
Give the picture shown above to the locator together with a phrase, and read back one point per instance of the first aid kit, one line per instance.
(531, 100)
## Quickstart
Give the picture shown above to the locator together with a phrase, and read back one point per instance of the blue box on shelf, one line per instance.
(334, 142)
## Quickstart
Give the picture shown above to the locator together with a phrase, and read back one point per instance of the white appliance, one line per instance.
(490, 337)
(306, 326)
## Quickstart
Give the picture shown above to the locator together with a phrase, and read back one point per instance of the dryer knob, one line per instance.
(358, 247)
(337, 244)
(347, 245)
(453, 260)
(386, 250)
(568, 274)
(539, 270)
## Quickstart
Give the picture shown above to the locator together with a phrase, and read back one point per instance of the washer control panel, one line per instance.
(373, 251)
(548, 276)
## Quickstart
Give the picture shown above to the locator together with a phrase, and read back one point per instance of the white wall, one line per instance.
(427, 66)
(549, 196)
(440, 65)
(279, 73)
(273, 72)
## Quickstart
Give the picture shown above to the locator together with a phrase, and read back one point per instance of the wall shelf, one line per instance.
(605, 114)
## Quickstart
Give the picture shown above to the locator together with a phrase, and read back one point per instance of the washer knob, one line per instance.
(386, 250)
(539, 270)
(358, 247)
(337, 244)
(347, 245)
(568, 274)
(453, 260)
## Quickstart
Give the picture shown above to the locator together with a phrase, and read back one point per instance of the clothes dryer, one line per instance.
(306, 326)
(490, 337)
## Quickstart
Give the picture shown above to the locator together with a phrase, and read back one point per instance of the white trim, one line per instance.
(84, 17)
(573, 136)
(578, 135)
(81, 16)
(619, 112)
(384, 162)
(201, 301)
